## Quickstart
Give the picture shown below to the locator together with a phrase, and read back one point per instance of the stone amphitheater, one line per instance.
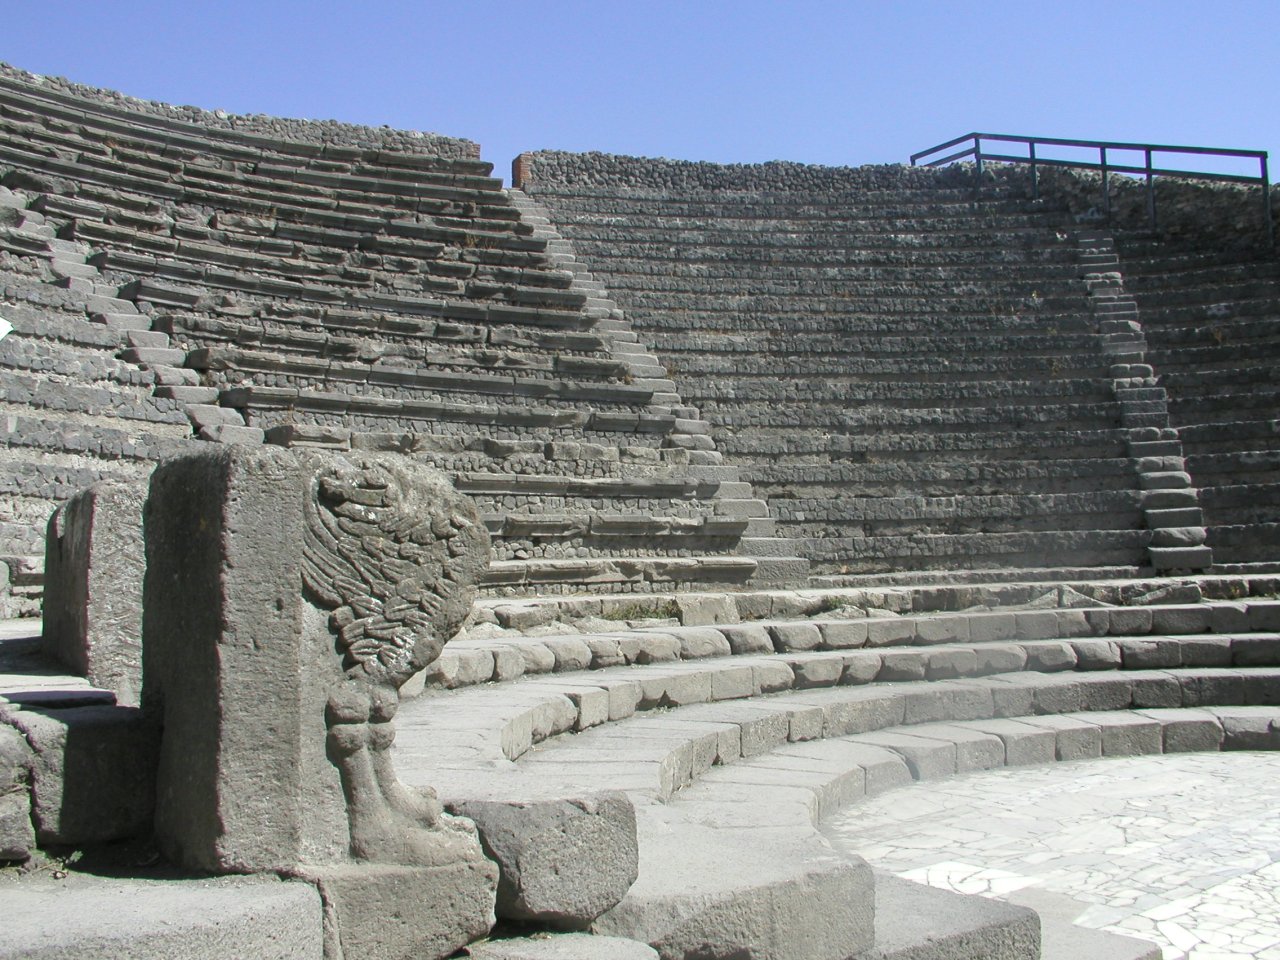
(809, 494)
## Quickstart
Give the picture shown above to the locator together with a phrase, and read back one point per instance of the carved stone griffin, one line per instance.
(393, 553)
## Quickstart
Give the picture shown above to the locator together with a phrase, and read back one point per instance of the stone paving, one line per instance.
(1180, 850)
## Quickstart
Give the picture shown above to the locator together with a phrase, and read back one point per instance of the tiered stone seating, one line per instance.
(317, 292)
(1210, 319)
(740, 737)
(75, 413)
(913, 380)
(733, 741)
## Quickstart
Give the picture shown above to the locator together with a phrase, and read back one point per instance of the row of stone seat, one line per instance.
(1139, 636)
(36, 121)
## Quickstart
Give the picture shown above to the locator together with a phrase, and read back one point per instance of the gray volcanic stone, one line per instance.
(224, 918)
(17, 832)
(719, 895)
(916, 922)
(241, 778)
(385, 911)
(701, 611)
(563, 946)
(92, 771)
(93, 587)
(561, 862)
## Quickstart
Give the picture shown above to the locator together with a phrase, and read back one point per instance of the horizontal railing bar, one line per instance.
(955, 156)
(942, 146)
(1118, 145)
(1084, 144)
(1121, 168)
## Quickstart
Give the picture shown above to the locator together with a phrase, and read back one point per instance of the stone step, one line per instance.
(825, 446)
(576, 527)
(1054, 417)
(964, 473)
(613, 573)
(170, 295)
(844, 230)
(424, 343)
(1079, 548)
(1139, 637)
(272, 406)
(915, 922)
(179, 181)
(896, 283)
(711, 720)
(939, 514)
(81, 915)
(736, 265)
(116, 400)
(273, 276)
(964, 390)
(210, 138)
(824, 316)
(674, 486)
(411, 382)
(291, 327)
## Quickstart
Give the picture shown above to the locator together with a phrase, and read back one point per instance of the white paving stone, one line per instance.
(1182, 850)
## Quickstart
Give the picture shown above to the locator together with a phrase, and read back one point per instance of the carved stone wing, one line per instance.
(394, 553)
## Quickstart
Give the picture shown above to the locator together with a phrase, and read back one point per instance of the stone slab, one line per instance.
(915, 922)
(721, 895)
(562, 946)
(376, 911)
(84, 917)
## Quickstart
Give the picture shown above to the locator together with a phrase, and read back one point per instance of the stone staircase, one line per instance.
(912, 380)
(306, 292)
(1210, 322)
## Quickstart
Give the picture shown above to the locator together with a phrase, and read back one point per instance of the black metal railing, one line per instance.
(1148, 169)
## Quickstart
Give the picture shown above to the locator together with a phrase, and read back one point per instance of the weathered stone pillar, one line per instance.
(287, 598)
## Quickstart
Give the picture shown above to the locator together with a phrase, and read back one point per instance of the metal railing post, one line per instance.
(1151, 193)
(977, 167)
(1106, 183)
(1035, 180)
(1266, 202)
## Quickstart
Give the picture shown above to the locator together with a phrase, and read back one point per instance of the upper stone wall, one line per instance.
(640, 173)
(247, 128)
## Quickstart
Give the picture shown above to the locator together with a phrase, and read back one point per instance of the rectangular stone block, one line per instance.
(93, 587)
(92, 771)
(242, 778)
(1023, 743)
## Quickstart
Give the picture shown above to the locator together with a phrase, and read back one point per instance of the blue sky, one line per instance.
(821, 82)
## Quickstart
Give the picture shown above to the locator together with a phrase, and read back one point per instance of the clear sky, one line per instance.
(821, 82)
